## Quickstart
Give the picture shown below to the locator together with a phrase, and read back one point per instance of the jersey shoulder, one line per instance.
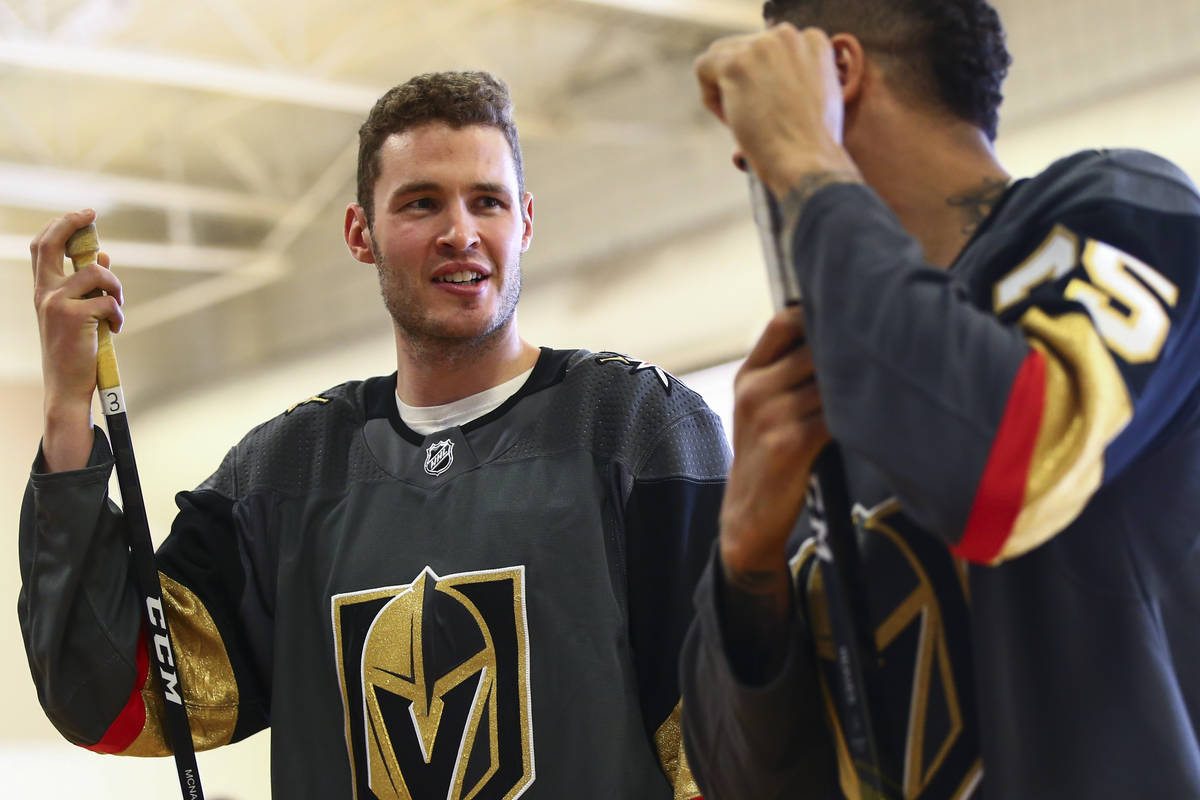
(632, 411)
(1119, 177)
(303, 447)
(1134, 203)
(630, 386)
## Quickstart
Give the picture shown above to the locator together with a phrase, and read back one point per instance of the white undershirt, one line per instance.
(431, 419)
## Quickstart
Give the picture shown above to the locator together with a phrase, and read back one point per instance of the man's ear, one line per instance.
(358, 234)
(851, 63)
(527, 218)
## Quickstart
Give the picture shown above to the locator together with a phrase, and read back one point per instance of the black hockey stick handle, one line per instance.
(829, 513)
(830, 518)
(82, 248)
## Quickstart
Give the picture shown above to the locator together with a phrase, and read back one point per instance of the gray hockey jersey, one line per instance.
(491, 611)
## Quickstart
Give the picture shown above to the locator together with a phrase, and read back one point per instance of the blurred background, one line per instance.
(217, 140)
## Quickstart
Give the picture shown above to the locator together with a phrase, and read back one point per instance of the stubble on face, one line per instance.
(432, 340)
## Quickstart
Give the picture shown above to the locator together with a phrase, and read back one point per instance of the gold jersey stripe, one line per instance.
(669, 741)
(1086, 407)
(210, 691)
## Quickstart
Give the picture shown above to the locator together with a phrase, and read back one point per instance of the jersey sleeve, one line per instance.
(81, 617)
(997, 418)
(746, 739)
(670, 523)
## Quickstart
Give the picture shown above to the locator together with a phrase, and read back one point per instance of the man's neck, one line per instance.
(942, 189)
(434, 373)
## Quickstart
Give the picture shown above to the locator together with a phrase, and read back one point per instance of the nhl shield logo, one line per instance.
(439, 457)
(435, 685)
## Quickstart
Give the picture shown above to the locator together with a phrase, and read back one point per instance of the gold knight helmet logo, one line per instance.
(435, 685)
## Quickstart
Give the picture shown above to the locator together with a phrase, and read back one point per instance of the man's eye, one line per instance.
(422, 203)
(491, 202)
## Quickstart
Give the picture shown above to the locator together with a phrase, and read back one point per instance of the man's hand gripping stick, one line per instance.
(829, 513)
(82, 248)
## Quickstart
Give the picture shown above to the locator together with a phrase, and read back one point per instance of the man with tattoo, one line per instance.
(1012, 370)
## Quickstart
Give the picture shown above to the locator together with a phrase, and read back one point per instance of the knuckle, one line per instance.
(747, 394)
(809, 395)
(735, 66)
(784, 321)
(782, 444)
(740, 378)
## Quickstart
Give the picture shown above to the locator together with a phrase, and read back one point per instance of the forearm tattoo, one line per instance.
(756, 610)
(792, 207)
(975, 204)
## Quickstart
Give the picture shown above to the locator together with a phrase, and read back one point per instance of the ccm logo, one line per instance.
(162, 650)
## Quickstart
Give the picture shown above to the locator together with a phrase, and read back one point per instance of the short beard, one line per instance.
(430, 345)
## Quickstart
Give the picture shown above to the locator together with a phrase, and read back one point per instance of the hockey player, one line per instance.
(1011, 369)
(468, 579)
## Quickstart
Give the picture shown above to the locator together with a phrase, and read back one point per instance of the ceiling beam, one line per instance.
(275, 85)
(731, 16)
(280, 86)
(144, 255)
(53, 189)
(268, 263)
(257, 42)
(10, 23)
(189, 73)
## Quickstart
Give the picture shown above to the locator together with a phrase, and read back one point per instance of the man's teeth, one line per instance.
(461, 277)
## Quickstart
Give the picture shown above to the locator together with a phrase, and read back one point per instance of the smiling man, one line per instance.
(468, 579)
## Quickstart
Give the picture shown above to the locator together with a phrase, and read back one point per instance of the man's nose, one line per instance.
(460, 231)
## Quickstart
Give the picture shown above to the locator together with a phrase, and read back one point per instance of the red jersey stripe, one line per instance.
(1001, 491)
(129, 723)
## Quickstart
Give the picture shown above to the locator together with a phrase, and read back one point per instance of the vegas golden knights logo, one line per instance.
(919, 682)
(435, 685)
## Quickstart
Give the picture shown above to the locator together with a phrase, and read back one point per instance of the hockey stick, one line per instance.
(82, 248)
(829, 514)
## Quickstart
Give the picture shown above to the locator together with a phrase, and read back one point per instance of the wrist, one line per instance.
(755, 618)
(67, 436)
(807, 172)
(762, 571)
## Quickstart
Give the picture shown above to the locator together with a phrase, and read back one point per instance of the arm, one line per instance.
(996, 425)
(670, 525)
(79, 612)
(777, 432)
(750, 739)
(81, 616)
(755, 724)
(995, 418)
(68, 317)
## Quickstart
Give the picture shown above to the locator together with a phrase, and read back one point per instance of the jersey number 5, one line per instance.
(1124, 296)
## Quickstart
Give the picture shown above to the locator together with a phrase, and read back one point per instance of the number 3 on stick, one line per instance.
(82, 248)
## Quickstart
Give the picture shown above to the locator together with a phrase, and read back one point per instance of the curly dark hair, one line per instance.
(949, 51)
(458, 99)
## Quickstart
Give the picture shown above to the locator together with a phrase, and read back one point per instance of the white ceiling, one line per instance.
(217, 140)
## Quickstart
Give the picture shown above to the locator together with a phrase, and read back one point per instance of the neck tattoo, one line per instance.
(976, 203)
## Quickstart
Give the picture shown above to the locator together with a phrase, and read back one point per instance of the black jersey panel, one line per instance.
(204, 555)
(670, 525)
